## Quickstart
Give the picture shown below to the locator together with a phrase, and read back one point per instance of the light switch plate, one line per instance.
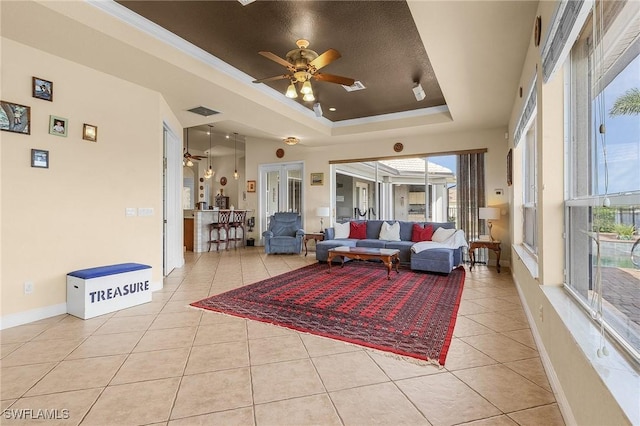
(145, 211)
(130, 211)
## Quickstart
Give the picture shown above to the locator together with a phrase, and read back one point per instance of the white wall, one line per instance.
(72, 215)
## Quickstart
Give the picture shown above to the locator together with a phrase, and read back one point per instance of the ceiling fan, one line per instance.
(187, 160)
(303, 65)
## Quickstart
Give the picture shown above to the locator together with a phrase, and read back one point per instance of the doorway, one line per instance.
(172, 236)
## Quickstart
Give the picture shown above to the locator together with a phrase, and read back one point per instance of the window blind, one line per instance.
(567, 20)
(527, 112)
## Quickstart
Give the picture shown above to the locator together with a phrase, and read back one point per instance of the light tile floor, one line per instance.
(166, 363)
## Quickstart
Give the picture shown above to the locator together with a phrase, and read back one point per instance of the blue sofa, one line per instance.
(440, 260)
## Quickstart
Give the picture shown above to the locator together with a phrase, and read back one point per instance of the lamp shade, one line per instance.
(323, 212)
(489, 213)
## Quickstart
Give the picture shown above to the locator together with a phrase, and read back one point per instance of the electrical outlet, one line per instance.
(541, 313)
(28, 287)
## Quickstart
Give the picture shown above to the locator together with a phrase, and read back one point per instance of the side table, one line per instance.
(491, 245)
(316, 236)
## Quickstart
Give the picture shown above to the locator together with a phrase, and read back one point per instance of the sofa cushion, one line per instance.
(390, 232)
(421, 234)
(284, 229)
(406, 228)
(342, 230)
(442, 234)
(375, 243)
(373, 229)
(358, 230)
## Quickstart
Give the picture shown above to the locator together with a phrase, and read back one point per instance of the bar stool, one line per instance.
(221, 224)
(237, 223)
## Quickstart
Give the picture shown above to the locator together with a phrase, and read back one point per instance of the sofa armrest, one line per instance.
(300, 233)
(267, 234)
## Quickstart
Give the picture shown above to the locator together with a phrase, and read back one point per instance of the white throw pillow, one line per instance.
(390, 232)
(442, 234)
(342, 230)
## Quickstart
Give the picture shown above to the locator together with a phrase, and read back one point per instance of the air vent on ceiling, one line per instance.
(357, 85)
(204, 111)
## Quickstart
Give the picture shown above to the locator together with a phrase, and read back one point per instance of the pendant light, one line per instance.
(209, 173)
(189, 163)
(235, 158)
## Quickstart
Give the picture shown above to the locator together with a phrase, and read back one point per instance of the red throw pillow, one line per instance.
(418, 233)
(358, 230)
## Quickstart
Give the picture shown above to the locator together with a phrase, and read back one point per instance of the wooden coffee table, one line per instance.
(387, 256)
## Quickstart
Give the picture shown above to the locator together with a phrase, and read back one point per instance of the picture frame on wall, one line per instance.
(90, 132)
(251, 186)
(42, 89)
(15, 118)
(510, 167)
(317, 179)
(40, 158)
(58, 126)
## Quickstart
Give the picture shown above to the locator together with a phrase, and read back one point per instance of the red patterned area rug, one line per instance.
(412, 315)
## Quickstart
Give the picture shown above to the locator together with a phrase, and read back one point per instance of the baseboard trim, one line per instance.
(554, 382)
(20, 318)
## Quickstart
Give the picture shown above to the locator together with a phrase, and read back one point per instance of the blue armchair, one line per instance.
(284, 235)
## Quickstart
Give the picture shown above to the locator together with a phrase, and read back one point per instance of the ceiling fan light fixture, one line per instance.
(291, 91)
(291, 140)
(189, 162)
(306, 88)
(309, 97)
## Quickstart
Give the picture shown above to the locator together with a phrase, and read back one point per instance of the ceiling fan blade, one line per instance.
(325, 59)
(330, 78)
(277, 77)
(278, 59)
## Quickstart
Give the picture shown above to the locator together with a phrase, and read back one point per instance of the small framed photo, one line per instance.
(251, 186)
(58, 126)
(15, 118)
(40, 158)
(90, 132)
(317, 178)
(42, 89)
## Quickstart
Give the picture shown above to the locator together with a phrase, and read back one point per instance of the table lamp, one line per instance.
(489, 213)
(322, 212)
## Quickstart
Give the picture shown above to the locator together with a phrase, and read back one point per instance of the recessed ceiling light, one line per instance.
(245, 2)
(332, 109)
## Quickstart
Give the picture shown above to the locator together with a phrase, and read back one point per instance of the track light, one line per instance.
(418, 91)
